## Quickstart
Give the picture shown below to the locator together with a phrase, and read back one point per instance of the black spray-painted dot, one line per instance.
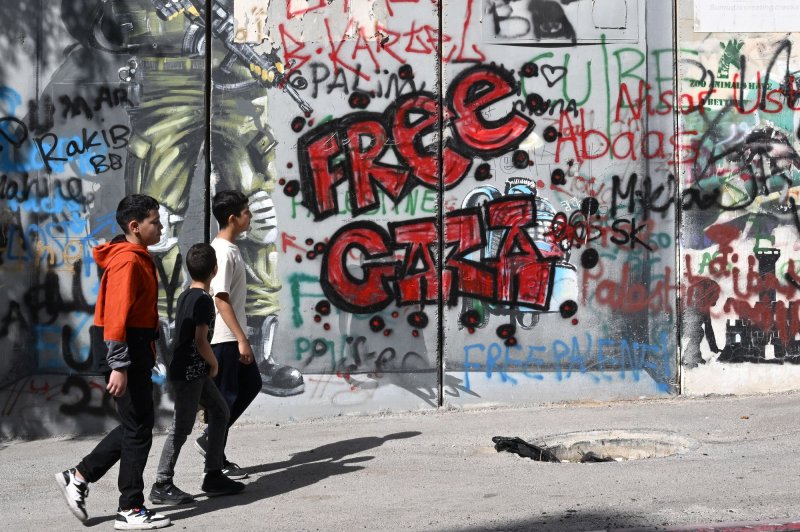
(418, 319)
(536, 104)
(292, 188)
(376, 324)
(298, 258)
(323, 307)
(311, 255)
(511, 341)
(319, 248)
(298, 123)
(483, 172)
(558, 177)
(309, 241)
(281, 181)
(529, 70)
(471, 330)
(405, 72)
(415, 333)
(470, 318)
(574, 321)
(387, 332)
(289, 165)
(395, 314)
(590, 206)
(550, 134)
(317, 318)
(568, 309)
(590, 258)
(326, 326)
(359, 100)
(506, 331)
(520, 159)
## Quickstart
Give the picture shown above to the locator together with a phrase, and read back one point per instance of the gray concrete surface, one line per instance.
(439, 471)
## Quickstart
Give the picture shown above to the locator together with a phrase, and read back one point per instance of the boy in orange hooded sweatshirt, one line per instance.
(126, 311)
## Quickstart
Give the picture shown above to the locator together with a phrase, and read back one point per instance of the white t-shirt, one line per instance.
(230, 279)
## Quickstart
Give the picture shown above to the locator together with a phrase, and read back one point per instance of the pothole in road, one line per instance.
(598, 446)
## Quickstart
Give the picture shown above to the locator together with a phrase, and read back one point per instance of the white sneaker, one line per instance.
(140, 519)
(75, 492)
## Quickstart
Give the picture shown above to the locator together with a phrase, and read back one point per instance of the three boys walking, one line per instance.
(212, 365)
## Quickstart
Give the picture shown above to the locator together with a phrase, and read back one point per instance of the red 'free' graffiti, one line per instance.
(337, 152)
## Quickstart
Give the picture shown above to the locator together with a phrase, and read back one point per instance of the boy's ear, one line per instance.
(133, 227)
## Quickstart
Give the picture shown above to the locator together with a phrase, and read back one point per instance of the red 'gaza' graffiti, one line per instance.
(519, 274)
(350, 148)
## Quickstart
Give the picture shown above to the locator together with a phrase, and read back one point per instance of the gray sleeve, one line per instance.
(117, 356)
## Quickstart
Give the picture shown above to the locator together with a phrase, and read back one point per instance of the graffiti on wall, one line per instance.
(508, 217)
(740, 203)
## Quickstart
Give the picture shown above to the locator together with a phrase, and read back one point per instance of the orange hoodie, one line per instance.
(128, 289)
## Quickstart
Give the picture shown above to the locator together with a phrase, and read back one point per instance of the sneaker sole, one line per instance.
(159, 500)
(75, 510)
(119, 525)
(211, 494)
(237, 476)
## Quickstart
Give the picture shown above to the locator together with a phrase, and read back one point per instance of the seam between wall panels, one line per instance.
(678, 211)
(440, 358)
(207, 140)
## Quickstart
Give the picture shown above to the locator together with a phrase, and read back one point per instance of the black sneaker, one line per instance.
(140, 519)
(75, 492)
(169, 493)
(201, 444)
(233, 471)
(216, 483)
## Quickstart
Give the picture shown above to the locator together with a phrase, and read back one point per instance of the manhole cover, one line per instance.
(599, 446)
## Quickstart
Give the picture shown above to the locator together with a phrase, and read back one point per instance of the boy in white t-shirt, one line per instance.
(238, 379)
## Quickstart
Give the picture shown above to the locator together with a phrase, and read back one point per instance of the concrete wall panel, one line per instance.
(456, 203)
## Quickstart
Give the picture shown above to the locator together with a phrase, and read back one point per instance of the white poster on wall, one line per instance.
(549, 21)
(746, 16)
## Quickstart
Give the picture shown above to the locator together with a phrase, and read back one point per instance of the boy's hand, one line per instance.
(117, 383)
(245, 352)
(213, 368)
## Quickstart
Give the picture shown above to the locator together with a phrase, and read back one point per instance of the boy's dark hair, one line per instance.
(200, 261)
(227, 203)
(134, 207)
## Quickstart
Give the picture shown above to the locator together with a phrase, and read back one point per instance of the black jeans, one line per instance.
(130, 442)
(188, 395)
(239, 383)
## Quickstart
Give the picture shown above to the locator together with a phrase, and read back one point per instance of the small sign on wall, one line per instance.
(746, 16)
(550, 21)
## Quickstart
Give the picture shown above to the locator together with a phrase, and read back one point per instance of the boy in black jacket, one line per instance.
(191, 372)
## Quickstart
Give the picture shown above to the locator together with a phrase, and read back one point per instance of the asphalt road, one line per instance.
(736, 461)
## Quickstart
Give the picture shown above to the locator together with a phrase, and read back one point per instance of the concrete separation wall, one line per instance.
(456, 203)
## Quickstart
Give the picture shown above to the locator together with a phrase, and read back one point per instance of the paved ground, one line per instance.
(440, 471)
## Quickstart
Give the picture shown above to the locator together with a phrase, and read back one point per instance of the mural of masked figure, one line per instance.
(165, 73)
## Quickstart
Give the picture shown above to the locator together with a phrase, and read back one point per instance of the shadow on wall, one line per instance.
(29, 26)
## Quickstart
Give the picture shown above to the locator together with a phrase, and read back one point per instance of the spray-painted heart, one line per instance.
(553, 74)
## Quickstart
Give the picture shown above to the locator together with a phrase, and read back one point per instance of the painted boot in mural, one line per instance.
(277, 379)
